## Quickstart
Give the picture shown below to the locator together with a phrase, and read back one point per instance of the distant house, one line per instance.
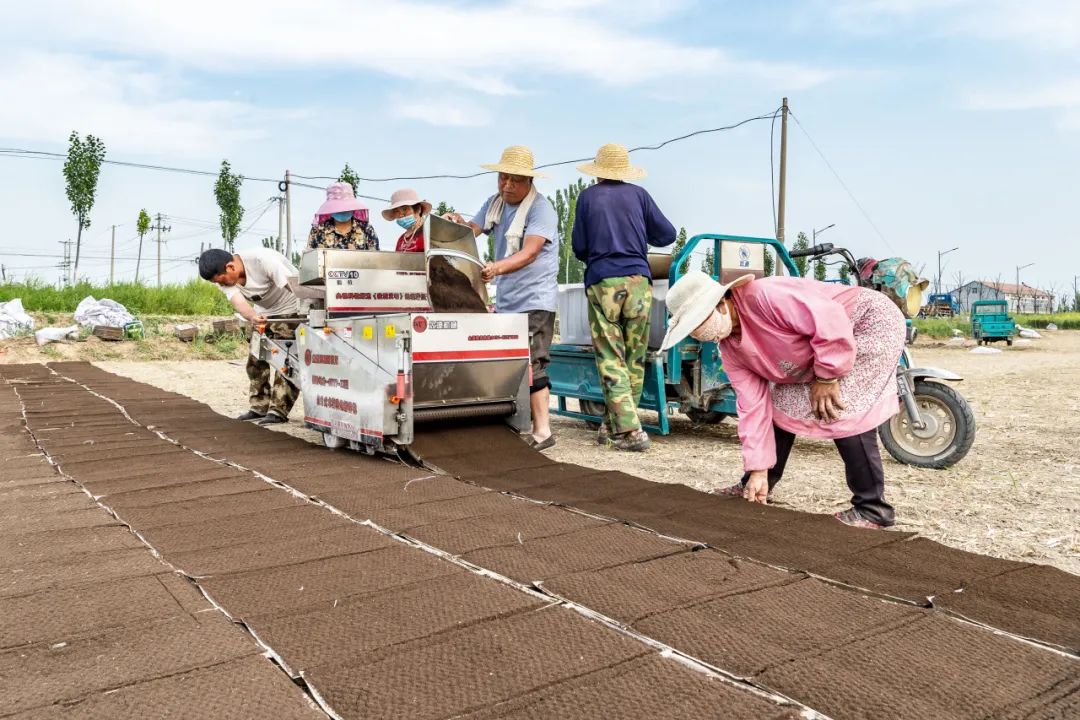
(1021, 298)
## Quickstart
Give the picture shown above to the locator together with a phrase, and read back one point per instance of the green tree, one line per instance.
(81, 171)
(770, 263)
(801, 243)
(707, 264)
(227, 194)
(349, 175)
(443, 208)
(142, 226)
(820, 271)
(571, 270)
(680, 243)
(844, 272)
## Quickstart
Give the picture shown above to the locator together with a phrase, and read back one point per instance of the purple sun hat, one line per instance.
(340, 198)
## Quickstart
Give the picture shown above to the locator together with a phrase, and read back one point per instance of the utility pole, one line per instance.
(160, 229)
(1019, 294)
(782, 197)
(65, 264)
(288, 216)
(280, 223)
(112, 257)
(3, 274)
(940, 255)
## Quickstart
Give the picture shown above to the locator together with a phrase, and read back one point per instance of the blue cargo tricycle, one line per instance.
(990, 322)
(934, 428)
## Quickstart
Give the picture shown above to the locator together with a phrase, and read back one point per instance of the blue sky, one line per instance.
(954, 122)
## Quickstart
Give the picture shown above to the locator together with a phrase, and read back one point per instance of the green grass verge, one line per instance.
(942, 327)
(196, 297)
(1064, 321)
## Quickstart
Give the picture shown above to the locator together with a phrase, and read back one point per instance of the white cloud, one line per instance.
(442, 112)
(489, 47)
(1040, 24)
(137, 111)
(1060, 94)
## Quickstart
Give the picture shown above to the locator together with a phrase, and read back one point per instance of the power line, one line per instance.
(843, 184)
(560, 163)
(42, 155)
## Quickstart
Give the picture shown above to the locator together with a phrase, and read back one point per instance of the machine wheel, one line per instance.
(705, 417)
(332, 441)
(1009, 342)
(947, 437)
(592, 407)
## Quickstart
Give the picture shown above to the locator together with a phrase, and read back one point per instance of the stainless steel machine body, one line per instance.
(375, 360)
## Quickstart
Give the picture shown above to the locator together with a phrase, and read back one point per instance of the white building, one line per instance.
(1021, 298)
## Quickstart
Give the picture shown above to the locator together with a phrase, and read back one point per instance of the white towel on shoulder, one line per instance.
(516, 232)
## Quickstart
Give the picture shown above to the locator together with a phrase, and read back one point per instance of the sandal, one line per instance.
(852, 517)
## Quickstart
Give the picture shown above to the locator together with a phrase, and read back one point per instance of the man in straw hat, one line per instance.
(614, 226)
(525, 269)
(805, 358)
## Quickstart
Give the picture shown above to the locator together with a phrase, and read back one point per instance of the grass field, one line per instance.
(943, 327)
(196, 297)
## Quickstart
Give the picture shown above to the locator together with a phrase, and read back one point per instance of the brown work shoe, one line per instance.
(633, 441)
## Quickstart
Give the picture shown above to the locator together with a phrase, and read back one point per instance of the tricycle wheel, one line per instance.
(332, 441)
(947, 437)
(705, 417)
(592, 407)
(1009, 341)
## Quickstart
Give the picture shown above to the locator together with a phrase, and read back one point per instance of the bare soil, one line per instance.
(1016, 495)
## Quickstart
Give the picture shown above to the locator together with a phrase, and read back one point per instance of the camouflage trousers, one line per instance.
(264, 392)
(619, 321)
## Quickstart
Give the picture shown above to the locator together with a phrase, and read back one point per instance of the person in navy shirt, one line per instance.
(614, 226)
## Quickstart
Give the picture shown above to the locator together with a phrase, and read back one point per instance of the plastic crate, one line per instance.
(573, 310)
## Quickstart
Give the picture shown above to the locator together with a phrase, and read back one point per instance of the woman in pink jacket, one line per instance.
(805, 358)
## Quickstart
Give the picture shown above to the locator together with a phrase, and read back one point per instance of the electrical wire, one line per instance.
(842, 183)
(39, 154)
(560, 163)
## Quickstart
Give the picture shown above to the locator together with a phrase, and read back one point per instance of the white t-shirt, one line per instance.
(267, 283)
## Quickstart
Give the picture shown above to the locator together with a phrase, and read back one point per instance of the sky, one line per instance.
(917, 125)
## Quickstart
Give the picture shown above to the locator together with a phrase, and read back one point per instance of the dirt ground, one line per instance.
(1016, 495)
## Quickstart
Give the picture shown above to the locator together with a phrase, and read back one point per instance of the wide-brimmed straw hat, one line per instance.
(340, 198)
(516, 160)
(691, 300)
(402, 198)
(612, 163)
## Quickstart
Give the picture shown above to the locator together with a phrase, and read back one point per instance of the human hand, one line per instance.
(454, 217)
(757, 487)
(825, 400)
(258, 320)
(489, 272)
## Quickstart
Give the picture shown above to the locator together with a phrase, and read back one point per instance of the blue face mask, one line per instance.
(407, 222)
(342, 216)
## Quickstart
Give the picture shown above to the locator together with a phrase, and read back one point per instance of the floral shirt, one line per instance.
(360, 237)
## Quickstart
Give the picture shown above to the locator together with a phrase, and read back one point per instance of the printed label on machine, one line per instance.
(373, 290)
(446, 337)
